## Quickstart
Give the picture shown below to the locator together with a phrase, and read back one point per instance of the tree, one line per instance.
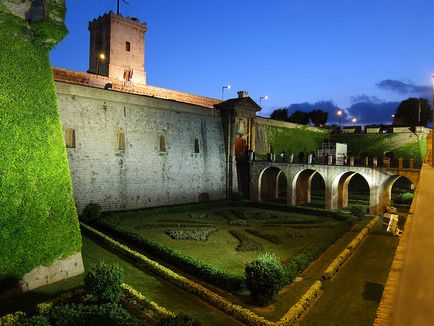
(299, 117)
(280, 114)
(407, 113)
(318, 117)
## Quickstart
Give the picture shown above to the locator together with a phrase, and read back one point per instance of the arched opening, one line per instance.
(307, 183)
(398, 191)
(351, 188)
(240, 148)
(358, 190)
(273, 185)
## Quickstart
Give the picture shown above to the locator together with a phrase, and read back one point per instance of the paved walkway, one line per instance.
(409, 295)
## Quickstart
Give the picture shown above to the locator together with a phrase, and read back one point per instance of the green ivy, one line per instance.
(38, 219)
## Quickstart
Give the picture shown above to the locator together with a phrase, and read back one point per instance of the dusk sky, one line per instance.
(303, 54)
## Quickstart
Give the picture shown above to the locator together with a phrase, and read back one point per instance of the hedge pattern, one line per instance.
(305, 302)
(196, 267)
(38, 219)
(215, 300)
(333, 268)
(138, 299)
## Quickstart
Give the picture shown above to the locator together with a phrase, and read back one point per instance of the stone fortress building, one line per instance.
(130, 145)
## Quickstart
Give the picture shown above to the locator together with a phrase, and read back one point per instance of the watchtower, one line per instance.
(117, 48)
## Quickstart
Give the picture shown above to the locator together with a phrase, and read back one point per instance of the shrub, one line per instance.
(266, 236)
(264, 278)
(36, 320)
(359, 211)
(238, 222)
(95, 315)
(91, 212)
(178, 320)
(406, 198)
(198, 234)
(104, 282)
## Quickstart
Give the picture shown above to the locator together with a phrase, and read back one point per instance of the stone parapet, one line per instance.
(86, 79)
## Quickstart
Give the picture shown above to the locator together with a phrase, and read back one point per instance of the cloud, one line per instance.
(404, 87)
(373, 113)
(363, 98)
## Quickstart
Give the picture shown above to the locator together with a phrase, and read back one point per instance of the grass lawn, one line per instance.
(220, 247)
(151, 286)
(352, 297)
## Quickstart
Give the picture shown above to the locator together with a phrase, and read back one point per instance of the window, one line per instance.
(128, 46)
(162, 144)
(196, 145)
(70, 138)
(121, 141)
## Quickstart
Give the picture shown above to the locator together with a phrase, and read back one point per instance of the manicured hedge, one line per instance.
(195, 267)
(242, 314)
(305, 302)
(333, 268)
(38, 219)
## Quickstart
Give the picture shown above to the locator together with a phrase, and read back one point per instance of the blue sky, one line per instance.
(337, 52)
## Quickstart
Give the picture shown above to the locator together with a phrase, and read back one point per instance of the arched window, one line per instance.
(162, 144)
(70, 138)
(196, 145)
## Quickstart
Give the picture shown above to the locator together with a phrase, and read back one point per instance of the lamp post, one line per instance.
(223, 90)
(339, 113)
(354, 120)
(262, 98)
(393, 119)
(101, 57)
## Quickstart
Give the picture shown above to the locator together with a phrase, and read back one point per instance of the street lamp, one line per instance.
(262, 98)
(101, 57)
(354, 120)
(223, 90)
(339, 117)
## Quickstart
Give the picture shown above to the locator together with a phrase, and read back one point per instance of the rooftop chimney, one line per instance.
(242, 94)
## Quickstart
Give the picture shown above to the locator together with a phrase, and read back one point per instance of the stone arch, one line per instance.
(268, 184)
(340, 188)
(301, 186)
(386, 189)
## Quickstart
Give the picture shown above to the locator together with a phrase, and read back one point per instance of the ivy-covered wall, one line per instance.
(288, 137)
(38, 219)
(405, 145)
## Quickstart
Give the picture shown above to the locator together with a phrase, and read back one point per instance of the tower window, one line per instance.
(128, 46)
(162, 144)
(121, 141)
(196, 145)
(70, 138)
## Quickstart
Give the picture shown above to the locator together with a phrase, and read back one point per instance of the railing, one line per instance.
(384, 162)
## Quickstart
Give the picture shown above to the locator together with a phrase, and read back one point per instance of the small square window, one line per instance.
(128, 46)
(70, 138)
(162, 144)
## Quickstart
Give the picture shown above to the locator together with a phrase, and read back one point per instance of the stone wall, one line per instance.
(141, 175)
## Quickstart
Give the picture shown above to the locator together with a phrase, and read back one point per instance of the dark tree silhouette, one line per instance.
(407, 113)
(318, 117)
(299, 117)
(280, 114)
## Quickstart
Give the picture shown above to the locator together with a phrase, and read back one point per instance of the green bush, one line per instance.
(205, 272)
(359, 211)
(264, 278)
(36, 320)
(95, 315)
(91, 212)
(246, 243)
(178, 320)
(406, 198)
(104, 282)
